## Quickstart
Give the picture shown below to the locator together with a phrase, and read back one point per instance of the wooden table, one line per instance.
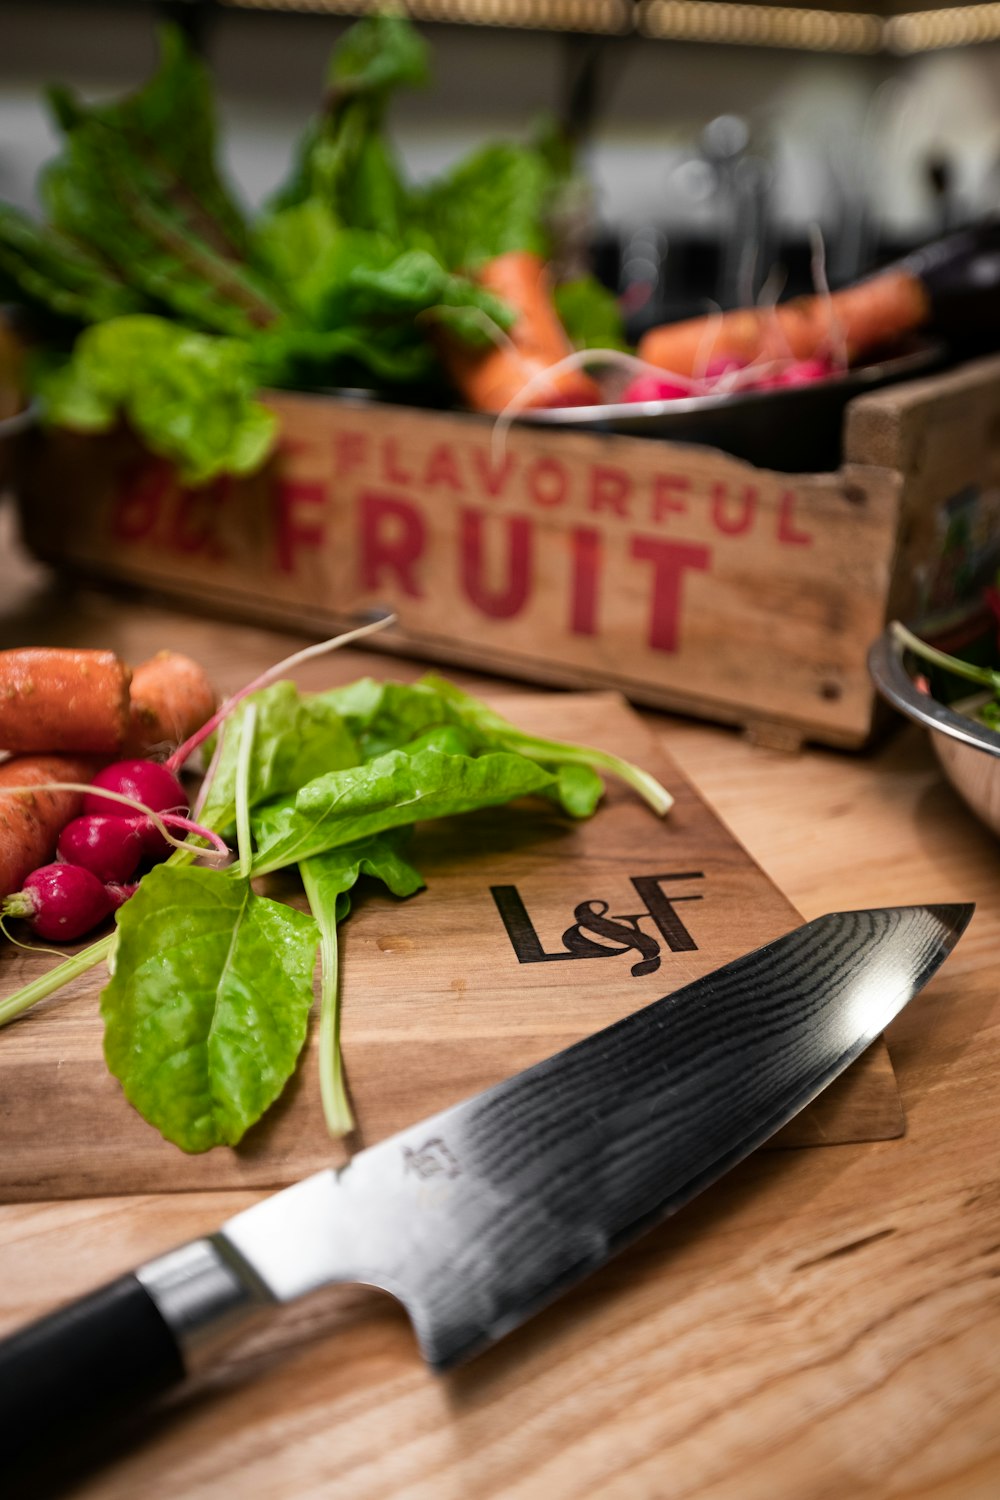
(824, 1323)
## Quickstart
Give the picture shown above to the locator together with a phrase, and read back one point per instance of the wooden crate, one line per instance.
(683, 577)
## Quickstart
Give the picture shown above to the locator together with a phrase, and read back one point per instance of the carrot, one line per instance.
(31, 822)
(489, 379)
(170, 698)
(875, 313)
(63, 700)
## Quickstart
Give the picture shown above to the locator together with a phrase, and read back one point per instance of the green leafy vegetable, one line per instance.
(344, 160)
(244, 846)
(386, 715)
(297, 739)
(987, 713)
(368, 303)
(58, 274)
(590, 314)
(985, 676)
(137, 184)
(428, 779)
(206, 1012)
(349, 278)
(190, 397)
(207, 1008)
(169, 127)
(327, 879)
(382, 715)
(492, 202)
(473, 713)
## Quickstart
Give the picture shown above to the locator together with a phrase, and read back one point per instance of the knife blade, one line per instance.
(477, 1217)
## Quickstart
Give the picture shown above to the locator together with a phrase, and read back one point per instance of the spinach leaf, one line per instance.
(327, 879)
(411, 284)
(344, 159)
(384, 715)
(338, 870)
(369, 303)
(590, 314)
(388, 715)
(577, 791)
(389, 358)
(297, 738)
(475, 715)
(206, 1012)
(310, 251)
(429, 779)
(492, 202)
(190, 397)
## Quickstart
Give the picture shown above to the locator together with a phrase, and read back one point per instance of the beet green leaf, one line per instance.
(207, 1010)
(297, 738)
(431, 778)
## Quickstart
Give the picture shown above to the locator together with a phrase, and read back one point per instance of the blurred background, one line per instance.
(712, 135)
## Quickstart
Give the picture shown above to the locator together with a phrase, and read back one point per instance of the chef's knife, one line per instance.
(479, 1216)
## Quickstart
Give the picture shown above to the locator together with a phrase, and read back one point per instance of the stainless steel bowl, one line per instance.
(968, 752)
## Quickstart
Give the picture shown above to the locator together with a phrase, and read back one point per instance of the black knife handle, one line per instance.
(86, 1367)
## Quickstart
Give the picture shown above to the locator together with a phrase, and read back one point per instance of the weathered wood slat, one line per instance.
(680, 576)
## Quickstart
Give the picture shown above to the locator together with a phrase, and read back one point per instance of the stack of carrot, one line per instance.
(64, 714)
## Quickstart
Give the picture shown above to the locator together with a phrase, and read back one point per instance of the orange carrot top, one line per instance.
(171, 697)
(873, 314)
(63, 700)
(489, 379)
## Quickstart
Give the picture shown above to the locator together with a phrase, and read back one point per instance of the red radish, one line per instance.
(60, 902)
(147, 782)
(799, 372)
(655, 388)
(119, 894)
(108, 847)
(723, 364)
(143, 780)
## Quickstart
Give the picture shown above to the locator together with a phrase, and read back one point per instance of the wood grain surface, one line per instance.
(821, 1324)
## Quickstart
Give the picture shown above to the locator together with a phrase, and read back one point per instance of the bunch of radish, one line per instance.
(100, 826)
(727, 374)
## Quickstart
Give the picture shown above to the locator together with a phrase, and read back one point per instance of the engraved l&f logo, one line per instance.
(620, 932)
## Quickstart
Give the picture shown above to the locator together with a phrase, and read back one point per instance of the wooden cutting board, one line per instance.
(449, 991)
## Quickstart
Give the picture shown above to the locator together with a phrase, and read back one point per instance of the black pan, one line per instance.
(795, 429)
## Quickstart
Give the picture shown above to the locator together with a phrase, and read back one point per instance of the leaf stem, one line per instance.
(333, 1092)
(244, 845)
(63, 973)
(185, 751)
(983, 675)
(555, 751)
